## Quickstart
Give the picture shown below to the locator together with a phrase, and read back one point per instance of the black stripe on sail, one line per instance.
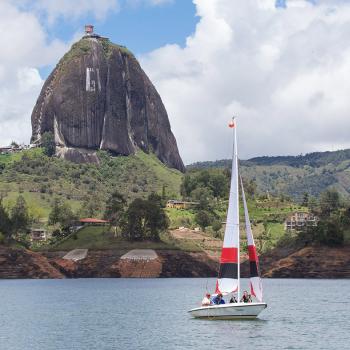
(254, 271)
(228, 270)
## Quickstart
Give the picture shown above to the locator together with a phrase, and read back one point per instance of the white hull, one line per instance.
(229, 311)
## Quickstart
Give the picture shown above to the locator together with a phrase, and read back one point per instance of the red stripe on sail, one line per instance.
(217, 291)
(229, 255)
(252, 289)
(253, 256)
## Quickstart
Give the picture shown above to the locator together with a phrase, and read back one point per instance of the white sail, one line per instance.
(228, 279)
(255, 280)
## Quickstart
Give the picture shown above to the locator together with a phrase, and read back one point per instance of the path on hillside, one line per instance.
(76, 254)
(140, 254)
(140, 263)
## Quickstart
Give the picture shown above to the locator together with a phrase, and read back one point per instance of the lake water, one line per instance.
(98, 314)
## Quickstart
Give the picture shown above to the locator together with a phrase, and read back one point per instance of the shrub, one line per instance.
(48, 143)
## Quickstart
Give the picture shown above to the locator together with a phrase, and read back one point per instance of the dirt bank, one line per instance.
(309, 262)
(306, 262)
(107, 263)
(22, 263)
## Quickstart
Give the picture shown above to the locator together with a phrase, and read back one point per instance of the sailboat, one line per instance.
(229, 273)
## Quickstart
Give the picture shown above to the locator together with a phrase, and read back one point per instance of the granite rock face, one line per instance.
(98, 97)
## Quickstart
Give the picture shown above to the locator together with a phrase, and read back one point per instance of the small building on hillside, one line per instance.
(174, 203)
(299, 220)
(39, 234)
(13, 148)
(5, 149)
(93, 222)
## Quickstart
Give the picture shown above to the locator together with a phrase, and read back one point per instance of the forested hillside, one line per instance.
(41, 180)
(312, 173)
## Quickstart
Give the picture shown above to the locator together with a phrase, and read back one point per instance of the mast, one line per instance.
(234, 176)
(228, 277)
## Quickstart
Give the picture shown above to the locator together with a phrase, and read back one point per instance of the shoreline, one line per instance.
(305, 263)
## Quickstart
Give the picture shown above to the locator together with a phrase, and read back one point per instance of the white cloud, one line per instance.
(284, 72)
(24, 48)
(74, 9)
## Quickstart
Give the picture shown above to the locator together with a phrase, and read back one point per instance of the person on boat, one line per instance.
(206, 300)
(246, 298)
(233, 299)
(218, 299)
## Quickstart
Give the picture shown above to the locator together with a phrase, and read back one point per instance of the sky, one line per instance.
(281, 67)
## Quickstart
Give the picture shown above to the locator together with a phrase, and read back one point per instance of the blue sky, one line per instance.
(142, 28)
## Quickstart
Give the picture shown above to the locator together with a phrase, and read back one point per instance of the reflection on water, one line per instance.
(152, 314)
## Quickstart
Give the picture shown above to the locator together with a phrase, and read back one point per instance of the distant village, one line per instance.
(15, 147)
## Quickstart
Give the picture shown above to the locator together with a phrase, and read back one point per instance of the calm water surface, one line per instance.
(98, 314)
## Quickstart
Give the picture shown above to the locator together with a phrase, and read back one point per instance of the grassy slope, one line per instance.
(296, 181)
(101, 238)
(271, 212)
(95, 237)
(312, 173)
(41, 179)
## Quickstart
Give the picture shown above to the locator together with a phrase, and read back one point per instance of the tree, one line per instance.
(14, 144)
(133, 222)
(5, 222)
(188, 185)
(305, 201)
(156, 219)
(144, 219)
(203, 218)
(48, 143)
(328, 232)
(61, 213)
(227, 173)
(312, 204)
(90, 207)
(219, 185)
(203, 178)
(164, 192)
(216, 226)
(19, 215)
(2, 238)
(203, 196)
(250, 187)
(329, 202)
(54, 216)
(155, 199)
(115, 208)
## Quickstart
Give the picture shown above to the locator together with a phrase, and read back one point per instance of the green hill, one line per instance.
(97, 238)
(294, 175)
(41, 179)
